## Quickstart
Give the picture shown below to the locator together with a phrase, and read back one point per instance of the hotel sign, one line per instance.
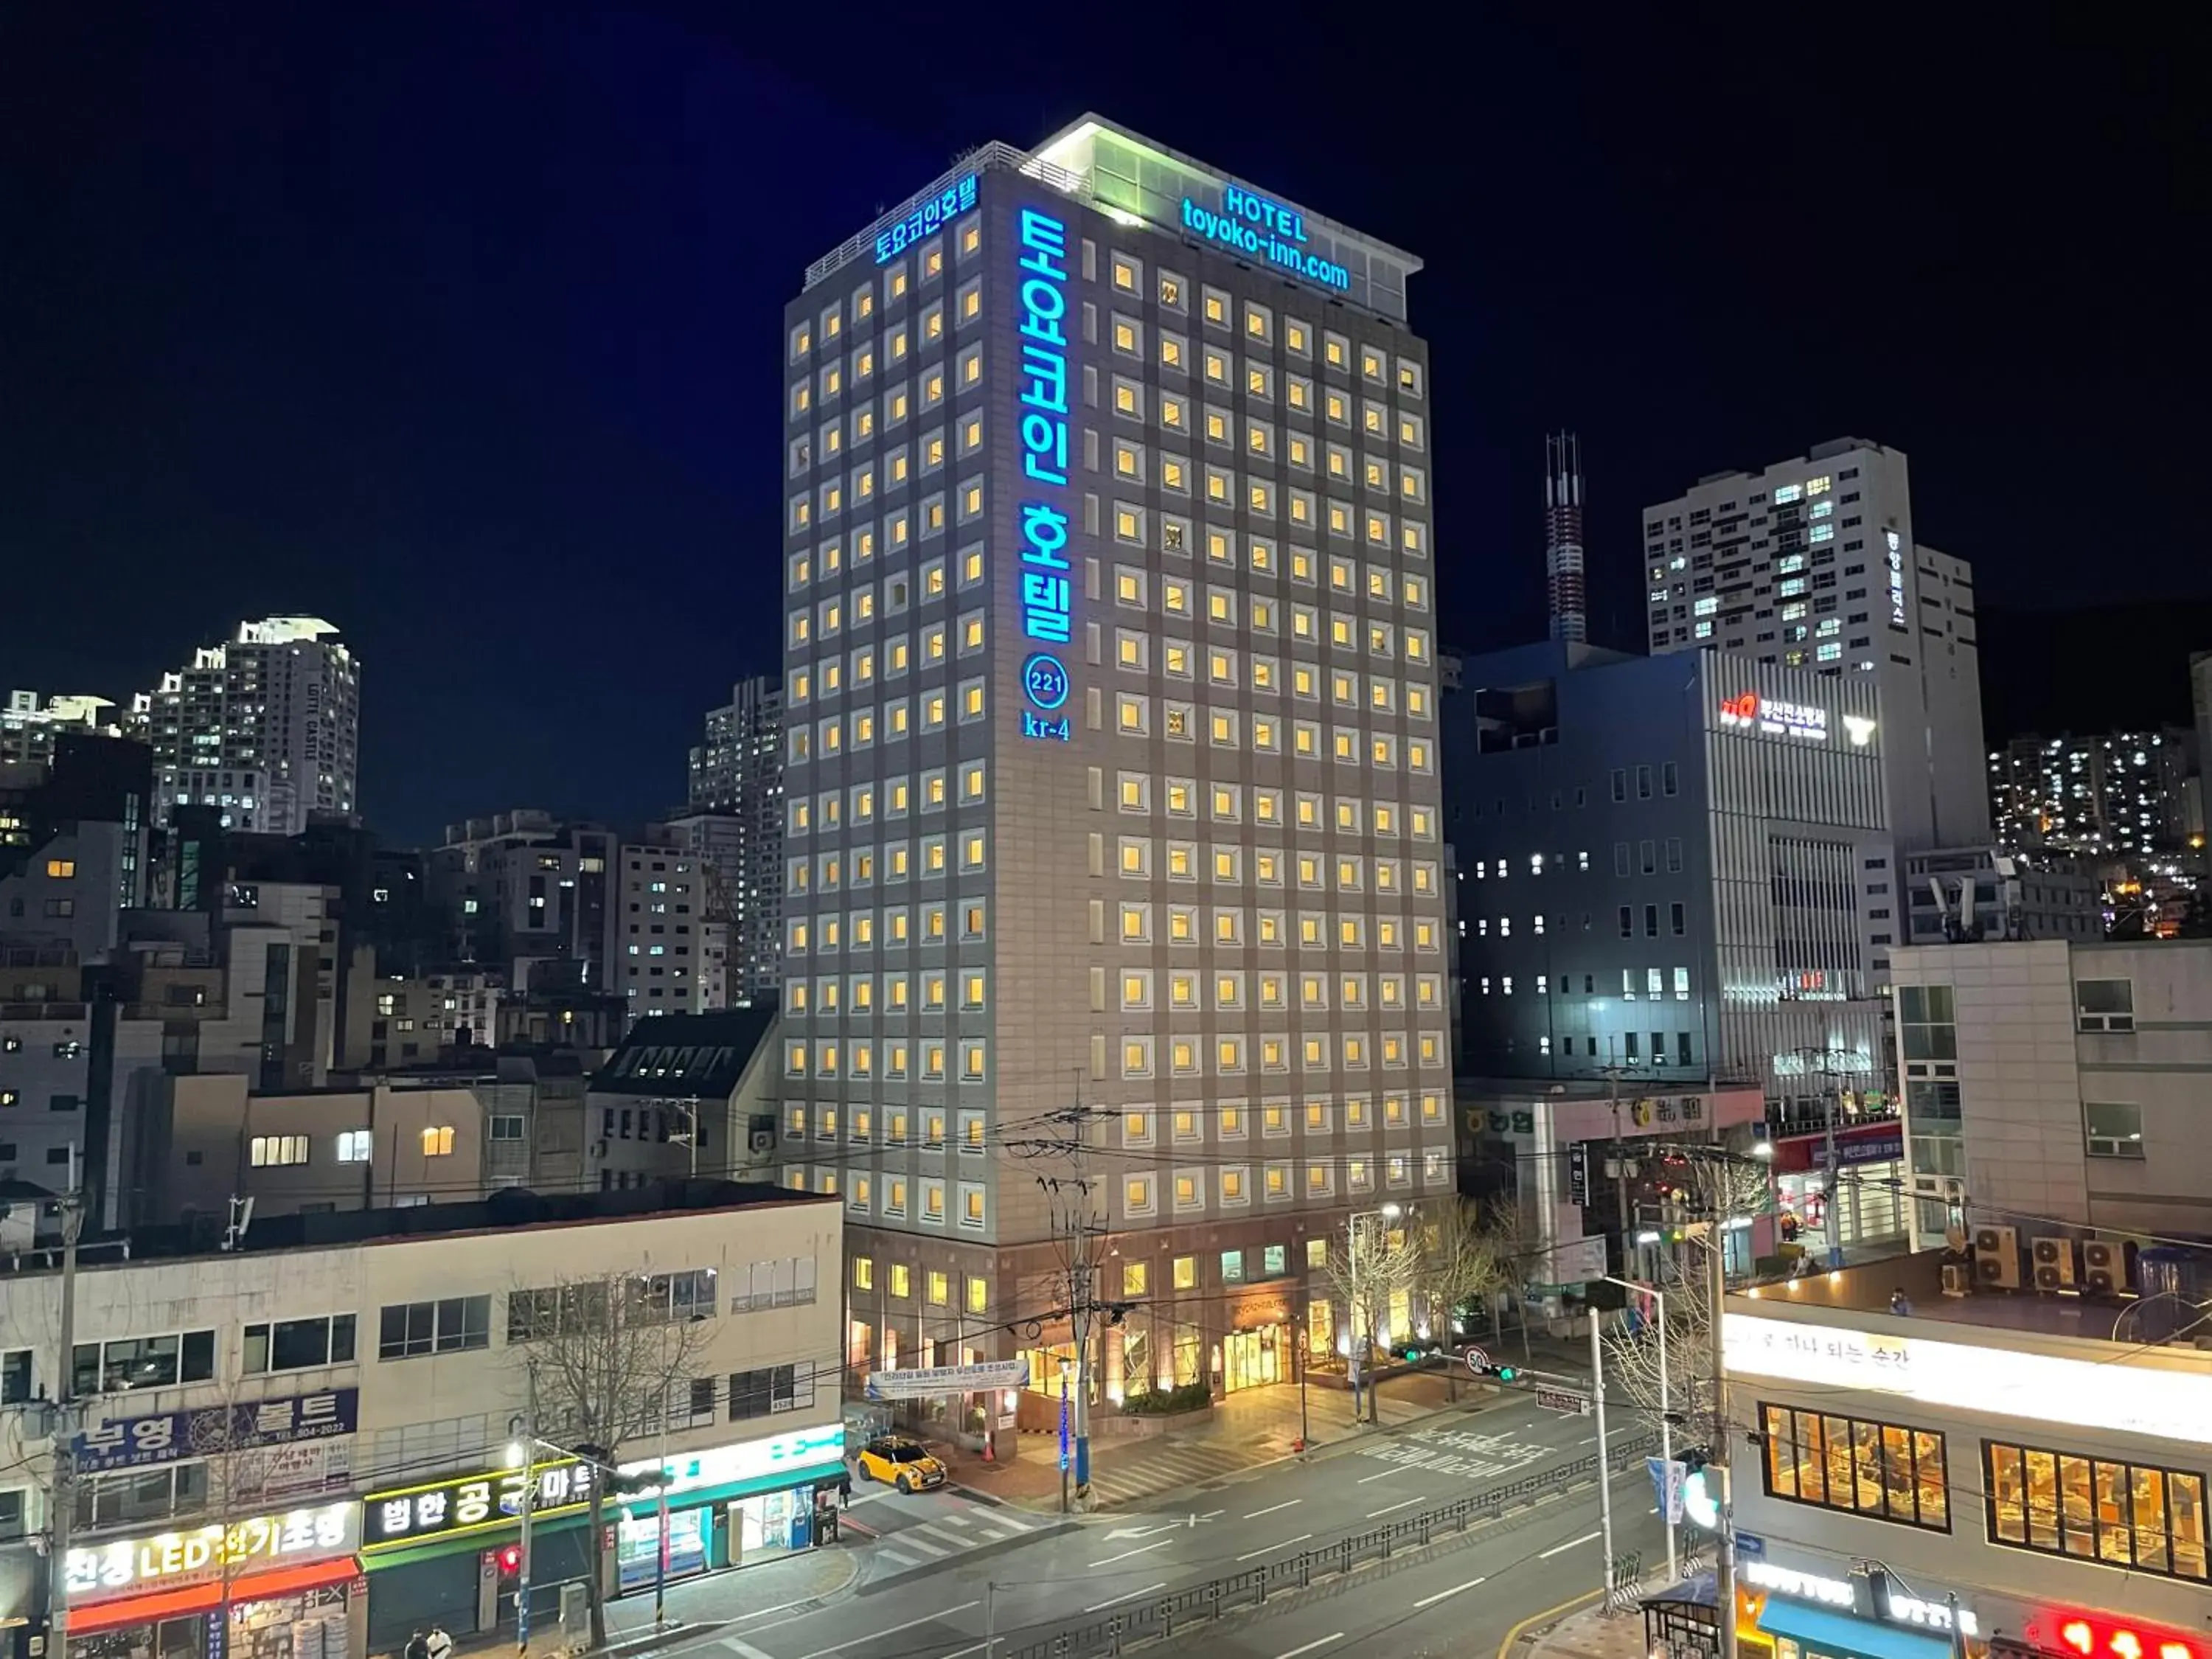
(170, 1561)
(930, 214)
(1247, 223)
(1047, 590)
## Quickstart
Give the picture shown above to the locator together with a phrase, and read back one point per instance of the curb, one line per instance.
(681, 1631)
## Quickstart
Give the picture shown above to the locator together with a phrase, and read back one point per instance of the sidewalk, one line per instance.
(1243, 1430)
(1586, 1633)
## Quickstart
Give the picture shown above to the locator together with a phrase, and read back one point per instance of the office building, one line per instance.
(2031, 1466)
(265, 727)
(1811, 564)
(335, 1395)
(1110, 757)
(2057, 1080)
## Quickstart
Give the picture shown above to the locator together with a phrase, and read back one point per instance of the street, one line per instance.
(949, 1573)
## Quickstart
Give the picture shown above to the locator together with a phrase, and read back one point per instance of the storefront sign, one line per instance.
(415, 1515)
(2035, 1388)
(1047, 589)
(939, 1380)
(2101, 1636)
(1800, 1586)
(798, 1453)
(1885, 1601)
(138, 1442)
(1867, 1144)
(170, 1561)
(1775, 717)
(1648, 1114)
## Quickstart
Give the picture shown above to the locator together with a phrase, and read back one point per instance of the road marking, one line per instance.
(894, 1556)
(1127, 1595)
(909, 1540)
(1454, 1590)
(1272, 1508)
(1272, 1548)
(878, 1636)
(1403, 1502)
(1143, 1549)
(954, 1518)
(1385, 1475)
(1558, 1549)
(1311, 1646)
(1587, 1440)
(1535, 1619)
(743, 1649)
(977, 1647)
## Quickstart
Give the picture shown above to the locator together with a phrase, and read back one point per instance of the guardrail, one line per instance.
(1162, 1617)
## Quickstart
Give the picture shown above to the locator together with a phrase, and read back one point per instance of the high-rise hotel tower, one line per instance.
(1114, 916)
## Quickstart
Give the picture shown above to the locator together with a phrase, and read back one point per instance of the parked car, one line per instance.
(900, 1460)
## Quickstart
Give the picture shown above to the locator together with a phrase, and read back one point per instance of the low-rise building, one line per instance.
(300, 1443)
(1999, 1448)
(687, 1094)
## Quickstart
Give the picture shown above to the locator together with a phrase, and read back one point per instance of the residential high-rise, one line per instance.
(736, 825)
(29, 724)
(265, 726)
(2118, 796)
(1112, 840)
(1811, 564)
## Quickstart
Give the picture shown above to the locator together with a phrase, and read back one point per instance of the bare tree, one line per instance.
(1465, 1258)
(1376, 1257)
(607, 1361)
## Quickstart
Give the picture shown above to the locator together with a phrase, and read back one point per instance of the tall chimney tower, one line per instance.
(1563, 539)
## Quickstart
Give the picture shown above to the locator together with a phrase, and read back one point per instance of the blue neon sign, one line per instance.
(1249, 223)
(956, 198)
(1047, 594)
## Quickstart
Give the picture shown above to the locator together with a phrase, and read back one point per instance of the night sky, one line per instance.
(459, 325)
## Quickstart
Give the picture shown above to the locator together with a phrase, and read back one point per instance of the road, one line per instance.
(949, 1572)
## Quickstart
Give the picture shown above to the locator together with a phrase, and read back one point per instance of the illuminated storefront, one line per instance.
(281, 1585)
(1867, 1205)
(1790, 1613)
(446, 1550)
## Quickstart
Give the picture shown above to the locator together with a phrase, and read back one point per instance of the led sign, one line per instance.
(1800, 1586)
(1896, 578)
(2100, 1637)
(928, 215)
(1249, 223)
(1775, 717)
(1047, 594)
(415, 1513)
(171, 1560)
(800, 1453)
(2035, 1388)
(1859, 728)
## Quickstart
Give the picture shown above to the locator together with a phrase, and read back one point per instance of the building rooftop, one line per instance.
(686, 1053)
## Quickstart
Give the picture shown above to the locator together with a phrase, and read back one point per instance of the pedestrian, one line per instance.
(440, 1646)
(417, 1648)
(844, 1488)
(1900, 1304)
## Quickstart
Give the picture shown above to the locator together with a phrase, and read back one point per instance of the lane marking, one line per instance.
(1587, 1440)
(1146, 1549)
(1385, 1475)
(954, 1518)
(1127, 1595)
(910, 1540)
(1311, 1646)
(1558, 1549)
(1273, 1548)
(878, 1636)
(1272, 1508)
(743, 1649)
(959, 1653)
(1454, 1590)
(1403, 1502)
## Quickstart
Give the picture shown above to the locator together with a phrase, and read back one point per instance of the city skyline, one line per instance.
(490, 381)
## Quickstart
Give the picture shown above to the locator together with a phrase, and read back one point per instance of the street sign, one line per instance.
(1578, 1175)
(1748, 1544)
(1477, 1360)
(1564, 1400)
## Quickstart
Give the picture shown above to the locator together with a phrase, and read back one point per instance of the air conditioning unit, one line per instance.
(2054, 1263)
(763, 1140)
(2108, 1266)
(1957, 1279)
(1996, 1257)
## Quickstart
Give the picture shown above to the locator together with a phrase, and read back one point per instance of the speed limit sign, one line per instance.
(1477, 1360)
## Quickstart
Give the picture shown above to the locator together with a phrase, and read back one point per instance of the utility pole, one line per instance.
(1717, 1455)
(62, 1491)
(1604, 1469)
(1835, 1217)
(1621, 1173)
(529, 1501)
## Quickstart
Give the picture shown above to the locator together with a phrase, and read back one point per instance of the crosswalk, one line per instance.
(955, 1532)
(1145, 1471)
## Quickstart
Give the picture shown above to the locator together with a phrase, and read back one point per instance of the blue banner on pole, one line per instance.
(1063, 1420)
(1667, 1486)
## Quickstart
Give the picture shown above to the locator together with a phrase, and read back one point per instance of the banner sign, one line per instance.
(948, 1379)
(212, 1430)
(1667, 1486)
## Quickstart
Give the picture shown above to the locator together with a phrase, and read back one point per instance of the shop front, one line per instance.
(448, 1551)
(1793, 1613)
(1256, 1349)
(1864, 1204)
(284, 1585)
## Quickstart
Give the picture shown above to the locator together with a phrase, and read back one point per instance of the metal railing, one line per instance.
(996, 155)
(1162, 1617)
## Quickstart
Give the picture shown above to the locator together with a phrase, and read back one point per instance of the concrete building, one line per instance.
(2119, 796)
(435, 1019)
(660, 907)
(529, 896)
(75, 1074)
(1998, 1447)
(691, 1093)
(30, 724)
(1109, 698)
(2058, 1085)
(266, 727)
(1811, 564)
(741, 889)
(74, 844)
(337, 1391)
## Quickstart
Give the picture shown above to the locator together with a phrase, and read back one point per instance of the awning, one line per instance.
(1832, 1635)
(196, 1598)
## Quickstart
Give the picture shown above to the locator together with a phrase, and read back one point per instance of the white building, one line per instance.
(2058, 1086)
(739, 950)
(265, 727)
(29, 724)
(1999, 1449)
(1812, 563)
(270, 1428)
(1110, 719)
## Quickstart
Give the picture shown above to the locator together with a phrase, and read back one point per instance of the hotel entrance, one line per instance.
(1250, 1360)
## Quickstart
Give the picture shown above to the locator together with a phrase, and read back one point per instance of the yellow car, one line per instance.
(901, 1461)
